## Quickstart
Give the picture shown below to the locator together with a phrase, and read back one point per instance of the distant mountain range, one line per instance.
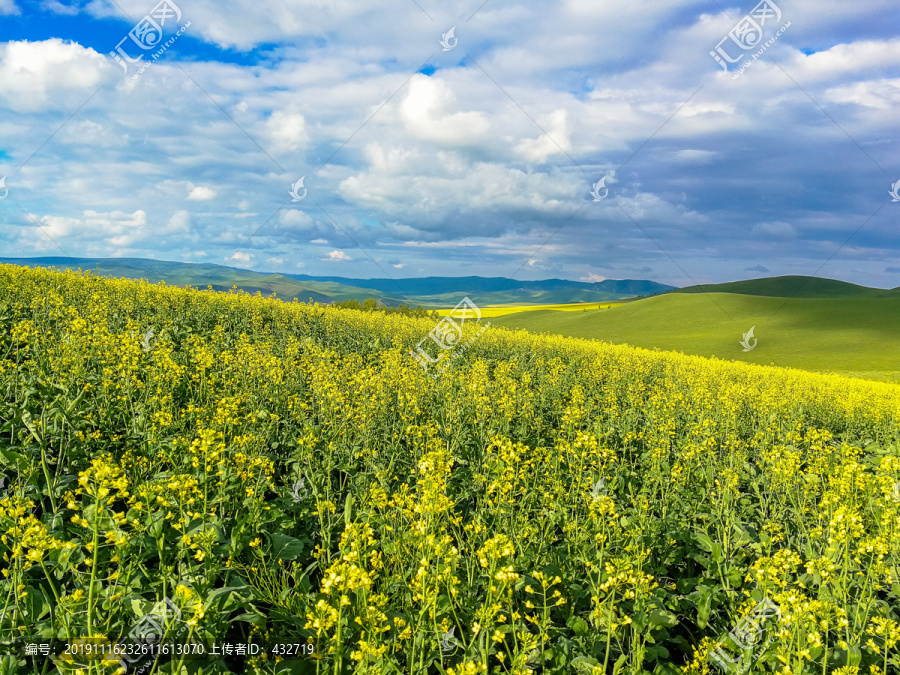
(427, 291)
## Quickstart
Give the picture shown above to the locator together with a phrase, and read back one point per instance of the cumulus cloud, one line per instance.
(39, 75)
(201, 193)
(286, 131)
(554, 141)
(425, 111)
(114, 229)
(337, 256)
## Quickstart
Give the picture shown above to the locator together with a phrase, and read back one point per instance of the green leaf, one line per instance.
(103, 518)
(14, 459)
(286, 547)
(660, 617)
(9, 665)
(704, 541)
(232, 597)
(578, 625)
(584, 664)
(639, 619)
(704, 606)
(254, 618)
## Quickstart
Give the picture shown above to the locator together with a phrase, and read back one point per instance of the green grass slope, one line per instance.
(794, 287)
(858, 336)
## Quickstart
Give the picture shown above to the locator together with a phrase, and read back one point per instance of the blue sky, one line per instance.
(425, 153)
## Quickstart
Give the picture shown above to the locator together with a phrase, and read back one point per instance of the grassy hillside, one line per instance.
(794, 287)
(859, 336)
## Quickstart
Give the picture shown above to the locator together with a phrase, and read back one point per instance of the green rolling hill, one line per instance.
(856, 334)
(794, 287)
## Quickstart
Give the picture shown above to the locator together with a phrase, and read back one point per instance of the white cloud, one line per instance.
(275, 261)
(201, 194)
(880, 94)
(8, 7)
(424, 112)
(240, 257)
(853, 57)
(58, 8)
(180, 222)
(338, 256)
(319, 241)
(555, 141)
(286, 131)
(88, 132)
(296, 219)
(444, 192)
(38, 75)
(112, 229)
(593, 278)
(398, 266)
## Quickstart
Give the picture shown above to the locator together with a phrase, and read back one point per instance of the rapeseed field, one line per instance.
(287, 473)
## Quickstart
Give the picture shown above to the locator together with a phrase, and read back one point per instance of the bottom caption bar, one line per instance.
(131, 651)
